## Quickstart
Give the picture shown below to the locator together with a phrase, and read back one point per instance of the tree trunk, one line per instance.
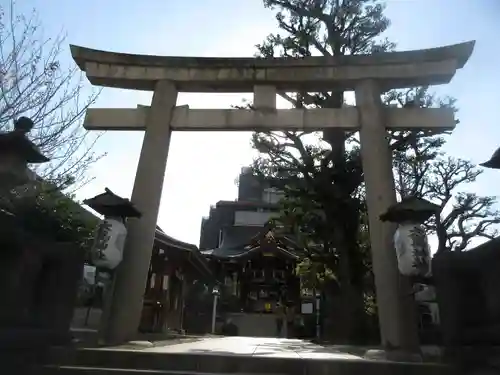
(345, 318)
(348, 302)
(351, 301)
(335, 137)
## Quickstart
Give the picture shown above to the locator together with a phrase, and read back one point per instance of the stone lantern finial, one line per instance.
(23, 125)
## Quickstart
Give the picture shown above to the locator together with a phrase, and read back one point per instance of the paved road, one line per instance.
(258, 347)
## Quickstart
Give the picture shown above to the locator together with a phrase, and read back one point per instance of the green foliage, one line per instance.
(327, 27)
(314, 273)
(46, 212)
(317, 202)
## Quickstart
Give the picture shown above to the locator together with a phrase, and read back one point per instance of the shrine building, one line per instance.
(255, 265)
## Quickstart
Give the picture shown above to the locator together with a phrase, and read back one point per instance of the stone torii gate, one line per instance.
(367, 75)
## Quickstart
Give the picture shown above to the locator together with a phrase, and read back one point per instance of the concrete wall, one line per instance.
(255, 325)
(252, 218)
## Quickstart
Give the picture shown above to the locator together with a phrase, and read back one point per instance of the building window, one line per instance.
(272, 195)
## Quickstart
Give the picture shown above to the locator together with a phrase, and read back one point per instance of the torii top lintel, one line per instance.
(212, 74)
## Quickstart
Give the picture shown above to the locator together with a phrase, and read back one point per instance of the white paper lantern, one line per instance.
(412, 249)
(110, 240)
(89, 274)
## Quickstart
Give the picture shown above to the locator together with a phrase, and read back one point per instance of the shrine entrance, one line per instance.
(367, 75)
(257, 272)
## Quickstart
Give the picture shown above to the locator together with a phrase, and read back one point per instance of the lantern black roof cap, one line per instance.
(16, 142)
(494, 162)
(111, 205)
(410, 209)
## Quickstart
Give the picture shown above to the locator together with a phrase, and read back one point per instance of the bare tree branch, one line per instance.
(33, 83)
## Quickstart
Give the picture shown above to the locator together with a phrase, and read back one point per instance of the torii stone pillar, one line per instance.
(368, 75)
(130, 280)
(395, 304)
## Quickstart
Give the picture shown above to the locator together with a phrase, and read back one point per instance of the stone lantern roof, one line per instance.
(494, 162)
(109, 204)
(410, 209)
(16, 144)
(16, 152)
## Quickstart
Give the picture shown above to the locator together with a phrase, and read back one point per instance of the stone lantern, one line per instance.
(110, 239)
(494, 162)
(16, 152)
(410, 239)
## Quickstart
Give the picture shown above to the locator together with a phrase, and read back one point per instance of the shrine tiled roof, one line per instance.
(234, 241)
(239, 241)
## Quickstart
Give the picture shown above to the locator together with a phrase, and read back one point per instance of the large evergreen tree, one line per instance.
(331, 175)
(322, 178)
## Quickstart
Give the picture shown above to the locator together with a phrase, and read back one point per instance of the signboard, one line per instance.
(307, 308)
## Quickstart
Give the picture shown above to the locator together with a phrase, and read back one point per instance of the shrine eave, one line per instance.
(188, 251)
(212, 74)
(243, 253)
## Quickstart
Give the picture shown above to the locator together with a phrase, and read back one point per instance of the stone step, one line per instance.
(81, 370)
(203, 363)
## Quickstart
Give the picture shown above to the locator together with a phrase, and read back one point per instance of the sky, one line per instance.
(202, 167)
